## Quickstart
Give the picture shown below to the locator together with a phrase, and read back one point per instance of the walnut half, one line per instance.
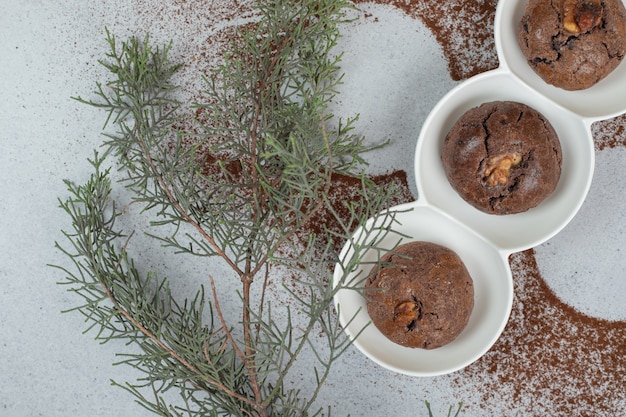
(406, 313)
(498, 168)
(581, 15)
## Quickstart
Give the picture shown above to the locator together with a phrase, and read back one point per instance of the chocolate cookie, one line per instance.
(573, 44)
(421, 296)
(502, 157)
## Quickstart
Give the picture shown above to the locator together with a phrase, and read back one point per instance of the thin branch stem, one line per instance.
(181, 211)
(220, 316)
(150, 335)
(246, 358)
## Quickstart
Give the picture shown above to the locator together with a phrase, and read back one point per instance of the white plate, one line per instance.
(515, 232)
(602, 101)
(493, 294)
(483, 241)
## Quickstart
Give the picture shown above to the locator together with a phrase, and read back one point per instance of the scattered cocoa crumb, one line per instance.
(609, 133)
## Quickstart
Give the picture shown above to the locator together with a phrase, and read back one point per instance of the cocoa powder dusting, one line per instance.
(464, 29)
(551, 360)
(346, 189)
(608, 134)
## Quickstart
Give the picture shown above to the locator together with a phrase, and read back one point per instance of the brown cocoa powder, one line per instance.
(551, 359)
(464, 29)
(346, 189)
(611, 133)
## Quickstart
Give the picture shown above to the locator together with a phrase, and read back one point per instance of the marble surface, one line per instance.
(48, 53)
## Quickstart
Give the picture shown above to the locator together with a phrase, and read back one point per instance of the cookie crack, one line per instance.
(486, 129)
(515, 184)
(539, 60)
(612, 55)
(557, 8)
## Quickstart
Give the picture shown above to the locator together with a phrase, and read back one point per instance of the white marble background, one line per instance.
(48, 51)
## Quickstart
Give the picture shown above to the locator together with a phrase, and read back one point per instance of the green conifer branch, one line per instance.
(275, 151)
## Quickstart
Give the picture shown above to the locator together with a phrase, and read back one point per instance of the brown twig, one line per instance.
(171, 352)
(248, 356)
(182, 212)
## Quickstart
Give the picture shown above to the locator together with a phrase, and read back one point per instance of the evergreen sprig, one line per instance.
(270, 137)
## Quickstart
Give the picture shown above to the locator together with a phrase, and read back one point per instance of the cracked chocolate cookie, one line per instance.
(422, 295)
(573, 44)
(502, 157)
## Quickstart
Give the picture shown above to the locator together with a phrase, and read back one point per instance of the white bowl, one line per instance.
(514, 232)
(493, 292)
(602, 101)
